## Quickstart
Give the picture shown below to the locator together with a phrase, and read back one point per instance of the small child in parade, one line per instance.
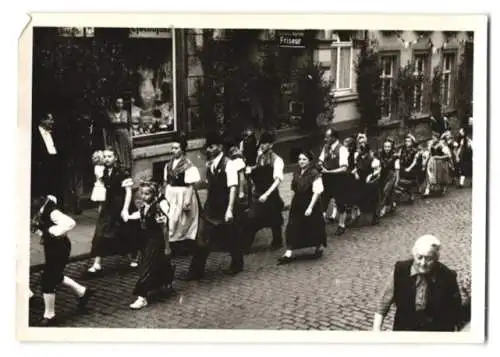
(52, 226)
(156, 269)
(99, 190)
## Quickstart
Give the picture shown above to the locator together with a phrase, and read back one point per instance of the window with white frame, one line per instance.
(448, 64)
(337, 64)
(419, 70)
(342, 63)
(388, 66)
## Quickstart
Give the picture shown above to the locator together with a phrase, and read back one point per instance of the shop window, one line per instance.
(152, 109)
(448, 71)
(388, 68)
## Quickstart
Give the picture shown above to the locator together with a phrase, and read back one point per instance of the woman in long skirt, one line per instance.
(464, 156)
(350, 181)
(180, 177)
(116, 134)
(367, 174)
(410, 160)
(389, 176)
(111, 234)
(438, 167)
(156, 270)
(306, 226)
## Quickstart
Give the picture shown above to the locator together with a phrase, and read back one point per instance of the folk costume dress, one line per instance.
(118, 137)
(464, 157)
(54, 226)
(409, 158)
(180, 175)
(305, 231)
(156, 270)
(438, 166)
(368, 193)
(389, 163)
(268, 214)
(215, 233)
(111, 236)
(336, 186)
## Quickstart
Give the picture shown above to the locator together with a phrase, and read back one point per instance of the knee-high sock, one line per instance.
(50, 305)
(77, 288)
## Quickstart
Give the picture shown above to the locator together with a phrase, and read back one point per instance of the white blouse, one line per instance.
(62, 223)
(318, 186)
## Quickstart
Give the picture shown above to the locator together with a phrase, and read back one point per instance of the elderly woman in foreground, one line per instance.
(425, 292)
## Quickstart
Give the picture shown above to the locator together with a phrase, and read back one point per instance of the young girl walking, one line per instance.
(156, 269)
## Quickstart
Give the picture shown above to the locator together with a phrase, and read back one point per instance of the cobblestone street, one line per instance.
(337, 292)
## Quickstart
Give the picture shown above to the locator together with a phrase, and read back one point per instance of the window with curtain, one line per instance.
(448, 65)
(419, 70)
(388, 65)
(336, 61)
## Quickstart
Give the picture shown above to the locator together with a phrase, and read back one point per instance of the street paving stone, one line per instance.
(337, 292)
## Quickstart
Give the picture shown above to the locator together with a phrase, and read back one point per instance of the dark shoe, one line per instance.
(375, 220)
(318, 253)
(48, 322)
(84, 300)
(284, 260)
(233, 271)
(340, 230)
(192, 276)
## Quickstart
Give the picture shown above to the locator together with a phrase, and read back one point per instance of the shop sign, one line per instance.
(291, 39)
(150, 33)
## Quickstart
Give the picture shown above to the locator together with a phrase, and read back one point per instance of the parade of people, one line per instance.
(243, 176)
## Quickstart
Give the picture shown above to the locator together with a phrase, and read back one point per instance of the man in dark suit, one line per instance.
(425, 292)
(46, 168)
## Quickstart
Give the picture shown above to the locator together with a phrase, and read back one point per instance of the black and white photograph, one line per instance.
(267, 178)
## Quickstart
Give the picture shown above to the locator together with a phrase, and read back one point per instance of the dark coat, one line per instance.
(443, 304)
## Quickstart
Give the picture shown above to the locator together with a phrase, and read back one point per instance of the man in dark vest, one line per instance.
(219, 217)
(425, 292)
(333, 161)
(266, 205)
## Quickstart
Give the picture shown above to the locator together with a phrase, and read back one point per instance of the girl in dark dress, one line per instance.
(367, 175)
(464, 156)
(389, 176)
(410, 160)
(112, 235)
(156, 270)
(306, 226)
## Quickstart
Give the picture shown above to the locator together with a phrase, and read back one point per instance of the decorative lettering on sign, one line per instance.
(293, 39)
(146, 32)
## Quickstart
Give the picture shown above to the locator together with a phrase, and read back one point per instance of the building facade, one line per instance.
(196, 80)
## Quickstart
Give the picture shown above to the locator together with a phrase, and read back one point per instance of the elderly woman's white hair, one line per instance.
(427, 242)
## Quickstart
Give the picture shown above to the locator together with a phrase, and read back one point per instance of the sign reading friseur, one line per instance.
(291, 38)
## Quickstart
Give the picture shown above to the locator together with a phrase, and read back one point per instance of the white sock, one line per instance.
(77, 288)
(462, 180)
(288, 254)
(50, 305)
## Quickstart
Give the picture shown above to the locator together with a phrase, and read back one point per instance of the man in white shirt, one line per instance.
(45, 160)
(333, 161)
(219, 218)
